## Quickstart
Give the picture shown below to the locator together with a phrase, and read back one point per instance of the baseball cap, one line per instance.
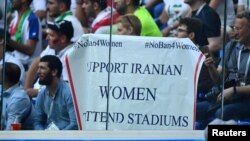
(63, 27)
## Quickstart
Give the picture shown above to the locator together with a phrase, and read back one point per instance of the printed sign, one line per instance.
(134, 83)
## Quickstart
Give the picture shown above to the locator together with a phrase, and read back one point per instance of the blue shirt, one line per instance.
(58, 109)
(16, 102)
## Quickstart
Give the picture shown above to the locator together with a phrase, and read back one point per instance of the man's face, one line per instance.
(88, 8)
(44, 74)
(121, 6)
(182, 31)
(53, 39)
(241, 29)
(53, 8)
(16, 4)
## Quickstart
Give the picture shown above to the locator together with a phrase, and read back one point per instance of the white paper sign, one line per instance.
(152, 82)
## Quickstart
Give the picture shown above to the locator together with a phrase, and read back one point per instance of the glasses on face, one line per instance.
(181, 30)
(237, 28)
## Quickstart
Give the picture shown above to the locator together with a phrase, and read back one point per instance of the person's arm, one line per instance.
(237, 90)
(32, 73)
(214, 43)
(28, 48)
(213, 71)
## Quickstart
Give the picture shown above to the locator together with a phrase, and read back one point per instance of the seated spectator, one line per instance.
(59, 35)
(16, 102)
(129, 25)
(236, 89)
(191, 28)
(149, 27)
(54, 106)
(211, 25)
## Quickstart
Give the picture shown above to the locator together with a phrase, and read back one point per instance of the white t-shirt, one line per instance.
(176, 9)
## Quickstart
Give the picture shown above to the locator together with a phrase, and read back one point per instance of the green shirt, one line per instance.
(149, 27)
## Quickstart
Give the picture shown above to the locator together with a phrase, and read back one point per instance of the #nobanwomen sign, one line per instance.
(151, 85)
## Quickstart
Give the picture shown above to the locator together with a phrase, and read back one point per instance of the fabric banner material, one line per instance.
(134, 83)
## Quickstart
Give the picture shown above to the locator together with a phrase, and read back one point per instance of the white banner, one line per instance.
(152, 83)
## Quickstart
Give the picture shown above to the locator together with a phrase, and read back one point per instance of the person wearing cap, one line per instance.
(54, 109)
(59, 36)
(58, 10)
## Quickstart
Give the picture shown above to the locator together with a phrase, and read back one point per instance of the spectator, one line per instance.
(59, 35)
(60, 10)
(99, 14)
(149, 27)
(129, 25)
(191, 28)
(16, 102)
(54, 105)
(9, 57)
(236, 95)
(212, 25)
(25, 33)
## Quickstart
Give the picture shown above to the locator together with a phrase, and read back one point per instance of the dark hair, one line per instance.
(63, 27)
(54, 63)
(66, 2)
(101, 3)
(193, 25)
(244, 14)
(12, 73)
